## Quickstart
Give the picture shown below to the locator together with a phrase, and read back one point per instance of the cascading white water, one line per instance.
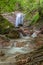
(19, 19)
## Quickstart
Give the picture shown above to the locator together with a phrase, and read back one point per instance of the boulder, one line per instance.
(13, 34)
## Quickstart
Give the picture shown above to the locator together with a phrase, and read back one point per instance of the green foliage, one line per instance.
(26, 6)
(7, 5)
(12, 5)
(35, 18)
(4, 25)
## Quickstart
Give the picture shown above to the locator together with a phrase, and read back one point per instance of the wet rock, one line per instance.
(20, 44)
(39, 40)
(32, 58)
(41, 30)
(4, 42)
(25, 31)
(13, 34)
(1, 53)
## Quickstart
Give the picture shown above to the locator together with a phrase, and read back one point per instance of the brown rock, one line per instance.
(20, 44)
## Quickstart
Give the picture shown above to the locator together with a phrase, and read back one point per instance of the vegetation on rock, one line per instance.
(6, 28)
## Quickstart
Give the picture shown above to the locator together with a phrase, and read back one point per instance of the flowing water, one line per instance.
(19, 19)
(21, 49)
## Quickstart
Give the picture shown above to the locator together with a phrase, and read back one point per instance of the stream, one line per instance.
(23, 45)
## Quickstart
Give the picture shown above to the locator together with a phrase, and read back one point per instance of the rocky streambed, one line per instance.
(24, 51)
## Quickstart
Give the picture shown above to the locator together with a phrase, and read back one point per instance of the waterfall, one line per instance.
(19, 19)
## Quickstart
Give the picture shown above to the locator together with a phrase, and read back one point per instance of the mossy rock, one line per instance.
(5, 25)
(14, 34)
(7, 29)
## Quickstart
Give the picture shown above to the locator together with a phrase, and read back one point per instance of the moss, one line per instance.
(7, 29)
(4, 25)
